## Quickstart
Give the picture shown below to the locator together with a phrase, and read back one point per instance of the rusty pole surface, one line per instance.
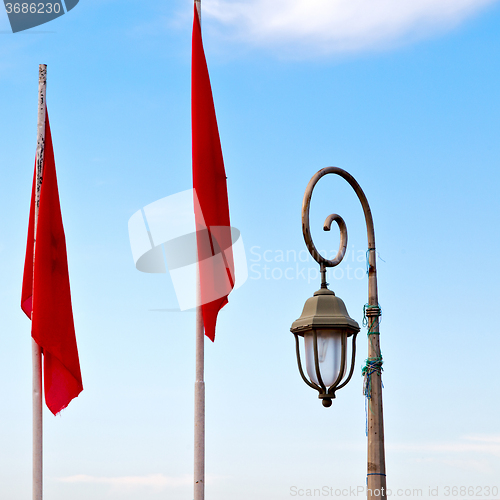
(36, 351)
(376, 478)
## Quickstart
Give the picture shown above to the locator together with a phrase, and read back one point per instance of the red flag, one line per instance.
(215, 258)
(46, 296)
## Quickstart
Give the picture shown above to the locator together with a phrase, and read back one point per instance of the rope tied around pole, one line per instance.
(372, 311)
(368, 259)
(374, 364)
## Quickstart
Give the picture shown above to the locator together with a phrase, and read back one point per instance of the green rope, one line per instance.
(372, 365)
(375, 322)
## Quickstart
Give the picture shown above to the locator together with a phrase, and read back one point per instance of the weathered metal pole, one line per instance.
(199, 385)
(199, 405)
(36, 351)
(376, 478)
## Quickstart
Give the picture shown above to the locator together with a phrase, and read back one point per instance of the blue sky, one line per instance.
(405, 98)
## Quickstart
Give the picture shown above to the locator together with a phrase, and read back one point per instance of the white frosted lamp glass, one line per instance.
(329, 355)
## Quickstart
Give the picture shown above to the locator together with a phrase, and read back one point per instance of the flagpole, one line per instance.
(36, 351)
(199, 385)
(199, 404)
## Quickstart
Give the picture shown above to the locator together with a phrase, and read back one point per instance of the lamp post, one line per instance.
(326, 327)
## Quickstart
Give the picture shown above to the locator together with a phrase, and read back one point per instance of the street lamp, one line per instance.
(326, 327)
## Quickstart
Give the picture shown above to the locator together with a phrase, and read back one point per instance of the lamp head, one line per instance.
(325, 326)
(324, 311)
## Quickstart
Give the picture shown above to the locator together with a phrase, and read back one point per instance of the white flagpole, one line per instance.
(199, 406)
(199, 386)
(36, 351)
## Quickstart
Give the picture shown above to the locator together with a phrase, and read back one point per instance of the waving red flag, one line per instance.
(46, 296)
(215, 258)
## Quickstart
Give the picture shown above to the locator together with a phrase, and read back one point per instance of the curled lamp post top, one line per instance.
(306, 231)
(376, 477)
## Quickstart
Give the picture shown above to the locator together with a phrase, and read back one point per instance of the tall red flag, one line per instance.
(215, 258)
(46, 296)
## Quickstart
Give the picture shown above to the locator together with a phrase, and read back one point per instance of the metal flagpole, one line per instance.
(36, 351)
(199, 385)
(199, 405)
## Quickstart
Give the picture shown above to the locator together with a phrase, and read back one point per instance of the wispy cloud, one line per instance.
(157, 482)
(485, 438)
(480, 443)
(479, 452)
(481, 466)
(334, 26)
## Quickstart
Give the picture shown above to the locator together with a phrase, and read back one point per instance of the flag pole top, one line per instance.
(197, 3)
(42, 84)
(40, 141)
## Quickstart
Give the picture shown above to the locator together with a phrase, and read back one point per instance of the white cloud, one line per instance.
(481, 466)
(480, 452)
(484, 444)
(488, 438)
(333, 26)
(158, 482)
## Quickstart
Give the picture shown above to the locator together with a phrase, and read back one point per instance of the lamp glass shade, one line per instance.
(329, 355)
